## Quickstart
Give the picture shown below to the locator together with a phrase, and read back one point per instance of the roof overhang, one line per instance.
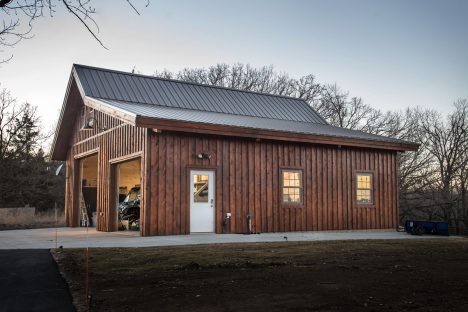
(177, 119)
(191, 127)
(74, 99)
(70, 108)
(113, 111)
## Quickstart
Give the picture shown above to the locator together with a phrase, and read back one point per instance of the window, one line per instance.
(364, 191)
(200, 188)
(292, 186)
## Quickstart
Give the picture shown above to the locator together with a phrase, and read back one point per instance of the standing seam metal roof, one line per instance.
(133, 88)
(190, 115)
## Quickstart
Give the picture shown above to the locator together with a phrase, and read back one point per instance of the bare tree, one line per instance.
(341, 110)
(463, 191)
(18, 133)
(9, 112)
(448, 144)
(19, 15)
(416, 169)
(244, 77)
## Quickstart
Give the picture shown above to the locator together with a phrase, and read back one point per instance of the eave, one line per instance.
(191, 127)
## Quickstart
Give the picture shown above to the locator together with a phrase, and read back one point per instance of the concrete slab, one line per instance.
(79, 238)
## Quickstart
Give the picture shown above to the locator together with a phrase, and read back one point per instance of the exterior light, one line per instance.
(89, 124)
(203, 156)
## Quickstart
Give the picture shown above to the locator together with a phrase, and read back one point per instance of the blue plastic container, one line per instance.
(426, 227)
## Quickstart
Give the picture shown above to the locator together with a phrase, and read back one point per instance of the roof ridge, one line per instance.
(188, 82)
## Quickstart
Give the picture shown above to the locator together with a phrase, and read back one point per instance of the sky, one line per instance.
(393, 54)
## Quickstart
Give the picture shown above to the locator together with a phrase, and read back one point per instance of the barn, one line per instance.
(200, 158)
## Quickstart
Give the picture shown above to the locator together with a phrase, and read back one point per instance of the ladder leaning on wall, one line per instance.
(84, 219)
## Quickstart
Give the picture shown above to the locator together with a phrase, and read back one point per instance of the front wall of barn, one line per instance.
(248, 179)
(119, 142)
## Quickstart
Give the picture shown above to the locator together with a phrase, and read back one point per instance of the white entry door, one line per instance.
(202, 209)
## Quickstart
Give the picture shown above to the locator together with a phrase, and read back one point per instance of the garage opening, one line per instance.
(128, 181)
(88, 191)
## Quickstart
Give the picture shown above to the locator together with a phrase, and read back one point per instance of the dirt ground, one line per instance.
(391, 275)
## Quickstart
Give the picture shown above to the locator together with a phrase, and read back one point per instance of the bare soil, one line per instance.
(391, 275)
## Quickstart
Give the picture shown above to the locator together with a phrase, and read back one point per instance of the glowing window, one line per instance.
(292, 186)
(364, 191)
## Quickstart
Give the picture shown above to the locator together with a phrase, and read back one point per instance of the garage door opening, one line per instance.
(88, 191)
(128, 182)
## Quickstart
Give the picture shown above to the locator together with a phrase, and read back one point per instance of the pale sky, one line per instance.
(393, 54)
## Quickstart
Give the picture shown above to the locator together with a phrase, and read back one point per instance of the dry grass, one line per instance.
(30, 221)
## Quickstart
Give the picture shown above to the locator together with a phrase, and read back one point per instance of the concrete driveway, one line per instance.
(79, 238)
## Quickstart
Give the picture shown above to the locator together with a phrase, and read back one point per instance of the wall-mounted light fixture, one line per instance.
(203, 156)
(90, 123)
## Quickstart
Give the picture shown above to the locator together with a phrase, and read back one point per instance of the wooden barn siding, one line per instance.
(121, 140)
(248, 179)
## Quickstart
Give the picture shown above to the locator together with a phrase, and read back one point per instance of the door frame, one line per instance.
(189, 188)
(114, 192)
(77, 179)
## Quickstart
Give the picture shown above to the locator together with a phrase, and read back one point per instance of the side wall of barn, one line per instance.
(248, 180)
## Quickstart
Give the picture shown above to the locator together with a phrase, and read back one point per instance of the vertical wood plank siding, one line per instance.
(119, 140)
(248, 176)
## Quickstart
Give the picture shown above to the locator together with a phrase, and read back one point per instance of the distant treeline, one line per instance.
(27, 176)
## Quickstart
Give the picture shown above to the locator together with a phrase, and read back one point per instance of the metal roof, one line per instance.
(133, 88)
(197, 116)
(151, 97)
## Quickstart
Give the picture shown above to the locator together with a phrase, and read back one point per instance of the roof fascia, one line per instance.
(54, 152)
(184, 126)
(111, 110)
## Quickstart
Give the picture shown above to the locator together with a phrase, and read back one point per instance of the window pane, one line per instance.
(364, 188)
(200, 188)
(366, 182)
(292, 183)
